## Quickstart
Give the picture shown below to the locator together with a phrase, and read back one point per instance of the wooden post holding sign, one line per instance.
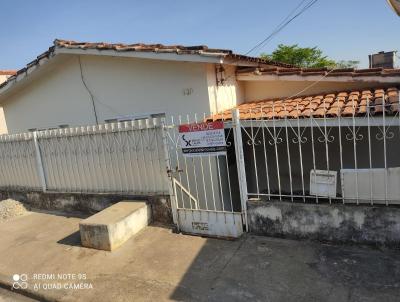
(203, 139)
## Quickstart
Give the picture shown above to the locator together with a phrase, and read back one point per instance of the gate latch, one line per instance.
(177, 170)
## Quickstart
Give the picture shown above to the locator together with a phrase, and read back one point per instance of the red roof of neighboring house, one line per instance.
(345, 103)
(8, 72)
(320, 72)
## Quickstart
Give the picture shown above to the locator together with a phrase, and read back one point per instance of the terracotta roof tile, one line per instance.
(141, 47)
(160, 48)
(350, 72)
(345, 103)
(8, 72)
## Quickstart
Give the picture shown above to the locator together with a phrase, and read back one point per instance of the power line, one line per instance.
(280, 24)
(311, 85)
(92, 97)
(88, 90)
(284, 23)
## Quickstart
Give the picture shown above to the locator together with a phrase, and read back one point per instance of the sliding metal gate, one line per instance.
(204, 190)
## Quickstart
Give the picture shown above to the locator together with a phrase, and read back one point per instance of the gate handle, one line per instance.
(177, 170)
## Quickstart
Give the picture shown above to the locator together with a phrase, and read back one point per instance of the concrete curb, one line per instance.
(6, 284)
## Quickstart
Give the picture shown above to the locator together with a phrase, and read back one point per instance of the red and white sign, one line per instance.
(200, 139)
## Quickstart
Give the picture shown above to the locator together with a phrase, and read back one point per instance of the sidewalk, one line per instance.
(158, 265)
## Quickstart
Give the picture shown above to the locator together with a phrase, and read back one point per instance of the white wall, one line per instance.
(227, 95)
(3, 78)
(121, 87)
(259, 90)
(3, 125)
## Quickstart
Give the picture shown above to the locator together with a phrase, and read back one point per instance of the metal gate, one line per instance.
(204, 190)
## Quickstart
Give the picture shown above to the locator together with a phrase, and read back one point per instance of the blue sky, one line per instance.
(343, 29)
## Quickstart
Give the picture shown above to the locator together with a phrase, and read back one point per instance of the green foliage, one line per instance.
(347, 64)
(308, 57)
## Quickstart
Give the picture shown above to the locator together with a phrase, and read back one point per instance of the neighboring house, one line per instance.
(86, 83)
(4, 75)
(353, 134)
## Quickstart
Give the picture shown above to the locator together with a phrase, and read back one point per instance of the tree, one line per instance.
(347, 64)
(308, 57)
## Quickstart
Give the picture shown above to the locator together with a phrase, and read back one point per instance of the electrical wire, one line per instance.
(92, 97)
(284, 23)
(88, 90)
(311, 85)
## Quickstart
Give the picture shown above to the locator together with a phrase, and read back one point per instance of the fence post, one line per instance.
(240, 164)
(168, 174)
(39, 162)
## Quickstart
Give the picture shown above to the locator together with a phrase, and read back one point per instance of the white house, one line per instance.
(307, 134)
(88, 83)
(77, 83)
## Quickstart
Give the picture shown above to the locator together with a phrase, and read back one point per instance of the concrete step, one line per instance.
(110, 228)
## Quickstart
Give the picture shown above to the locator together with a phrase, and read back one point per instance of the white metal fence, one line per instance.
(205, 194)
(347, 159)
(125, 157)
(324, 158)
(204, 182)
(18, 162)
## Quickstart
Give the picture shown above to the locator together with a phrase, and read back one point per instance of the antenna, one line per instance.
(395, 5)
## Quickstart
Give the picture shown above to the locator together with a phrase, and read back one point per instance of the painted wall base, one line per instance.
(160, 206)
(208, 223)
(373, 225)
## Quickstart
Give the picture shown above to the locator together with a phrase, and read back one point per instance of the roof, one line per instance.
(345, 103)
(351, 72)
(160, 48)
(7, 72)
(201, 50)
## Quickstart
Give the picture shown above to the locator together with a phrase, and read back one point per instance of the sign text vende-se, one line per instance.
(201, 139)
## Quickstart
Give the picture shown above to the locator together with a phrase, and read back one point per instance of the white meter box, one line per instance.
(323, 183)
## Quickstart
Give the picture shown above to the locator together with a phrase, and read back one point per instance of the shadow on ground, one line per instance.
(72, 240)
(69, 214)
(265, 269)
(160, 265)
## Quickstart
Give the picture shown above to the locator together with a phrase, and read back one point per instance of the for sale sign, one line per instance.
(200, 139)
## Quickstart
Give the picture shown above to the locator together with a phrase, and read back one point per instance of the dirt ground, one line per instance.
(158, 265)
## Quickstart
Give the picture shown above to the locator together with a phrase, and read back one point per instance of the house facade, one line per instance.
(292, 134)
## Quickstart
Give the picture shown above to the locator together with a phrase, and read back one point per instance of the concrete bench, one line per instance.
(111, 227)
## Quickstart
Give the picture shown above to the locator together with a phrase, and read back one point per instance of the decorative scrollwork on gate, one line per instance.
(275, 140)
(228, 135)
(299, 139)
(354, 135)
(387, 134)
(253, 142)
